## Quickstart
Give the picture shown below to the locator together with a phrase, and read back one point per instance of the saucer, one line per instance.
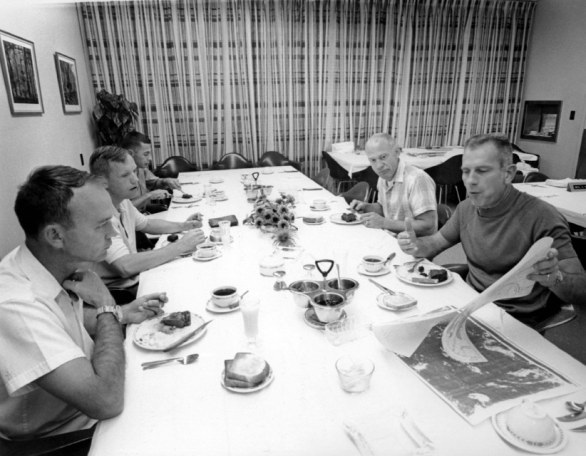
(499, 422)
(312, 320)
(211, 307)
(180, 200)
(383, 271)
(267, 381)
(196, 256)
(314, 220)
(267, 171)
(398, 302)
(219, 200)
(216, 180)
(326, 208)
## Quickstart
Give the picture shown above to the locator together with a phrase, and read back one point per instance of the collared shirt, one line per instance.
(410, 193)
(125, 224)
(41, 328)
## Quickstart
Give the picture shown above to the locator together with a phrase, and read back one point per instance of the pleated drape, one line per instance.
(247, 76)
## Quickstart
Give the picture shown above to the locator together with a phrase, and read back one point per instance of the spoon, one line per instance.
(576, 406)
(340, 284)
(389, 258)
(414, 265)
(243, 294)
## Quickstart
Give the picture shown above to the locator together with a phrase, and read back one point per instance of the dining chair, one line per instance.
(233, 160)
(174, 165)
(323, 178)
(370, 176)
(535, 176)
(76, 443)
(447, 176)
(358, 192)
(443, 214)
(579, 244)
(273, 158)
(337, 173)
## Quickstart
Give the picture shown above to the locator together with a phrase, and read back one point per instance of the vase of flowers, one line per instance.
(275, 217)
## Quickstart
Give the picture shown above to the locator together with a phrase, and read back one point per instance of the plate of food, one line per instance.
(346, 218)
(425, 274)
(161, 332)
(246, 373)
(186, 198)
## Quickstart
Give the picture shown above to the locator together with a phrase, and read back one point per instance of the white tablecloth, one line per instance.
(571, 204)
(183, 410)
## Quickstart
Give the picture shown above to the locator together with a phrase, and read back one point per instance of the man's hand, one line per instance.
(158, 194)
(359, 206)
(90, 288)
(193, 222)
(408, 239)
(546, 271)
(171, 183)
(189, 242)
(146, 306)
(373, 220)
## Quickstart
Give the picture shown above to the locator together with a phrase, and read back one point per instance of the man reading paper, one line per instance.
(496, 225)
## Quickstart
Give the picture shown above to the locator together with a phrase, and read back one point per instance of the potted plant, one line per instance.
(114, 116)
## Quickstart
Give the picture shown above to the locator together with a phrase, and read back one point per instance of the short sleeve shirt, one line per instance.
(125, 224)
(41, 328)
(410, 193)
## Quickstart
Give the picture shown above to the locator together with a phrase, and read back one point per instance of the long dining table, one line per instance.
(185, 410)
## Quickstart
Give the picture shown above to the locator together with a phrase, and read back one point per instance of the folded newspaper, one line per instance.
(404, 336)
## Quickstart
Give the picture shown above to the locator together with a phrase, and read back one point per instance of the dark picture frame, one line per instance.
(68, 83)
(21, 75)
(541, 120)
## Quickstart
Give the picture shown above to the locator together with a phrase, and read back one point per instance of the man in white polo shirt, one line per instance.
(403, 191)
(116, 167)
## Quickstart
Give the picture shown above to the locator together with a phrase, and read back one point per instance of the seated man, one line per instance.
(54, 378)
(153, 191)
(403, 190)
(496, 225)
(123, 263)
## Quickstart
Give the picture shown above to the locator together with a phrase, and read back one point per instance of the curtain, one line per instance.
(249, 76)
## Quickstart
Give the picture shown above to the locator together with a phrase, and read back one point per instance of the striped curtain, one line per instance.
(248, 76)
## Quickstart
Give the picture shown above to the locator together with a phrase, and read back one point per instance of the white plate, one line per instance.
(211, 307)
(383, 271)
(196, 256)
(326, 208)
(500, 425)
(398, 302)
(407, 277)
(216, 180)
(267, 171)
(320, 222)
(219, 200)
(180, 200)
(263, 385)
(337, 218)
(149, 334)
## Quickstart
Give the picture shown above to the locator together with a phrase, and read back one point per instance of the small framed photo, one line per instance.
(21, 74)
(541, 120)
(68, 83)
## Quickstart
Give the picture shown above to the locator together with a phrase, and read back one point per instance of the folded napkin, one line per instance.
(563, 183)
(343, 147)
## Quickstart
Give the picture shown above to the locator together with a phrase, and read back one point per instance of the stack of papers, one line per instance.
(563, 183)
(343, 147)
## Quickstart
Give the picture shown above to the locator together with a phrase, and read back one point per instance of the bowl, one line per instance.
(301, 290)
(531, 424)
(349, 287)
(225, 296)
(328, 306)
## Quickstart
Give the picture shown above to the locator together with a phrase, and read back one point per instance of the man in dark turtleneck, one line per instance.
(497, 224)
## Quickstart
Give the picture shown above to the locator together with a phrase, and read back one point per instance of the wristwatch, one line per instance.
(114, 310)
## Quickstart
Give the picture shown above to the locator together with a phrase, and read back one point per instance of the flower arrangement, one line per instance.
(275, 217)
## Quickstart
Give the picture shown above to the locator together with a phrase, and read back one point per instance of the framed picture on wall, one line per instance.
(541, 120)
(68, 83)
(21, 74)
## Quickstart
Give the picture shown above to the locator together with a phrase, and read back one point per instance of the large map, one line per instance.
(479, 390)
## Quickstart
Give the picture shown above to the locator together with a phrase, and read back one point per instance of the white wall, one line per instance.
(556, 70)
(52, 138)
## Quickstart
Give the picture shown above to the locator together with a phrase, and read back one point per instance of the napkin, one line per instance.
(563, 183)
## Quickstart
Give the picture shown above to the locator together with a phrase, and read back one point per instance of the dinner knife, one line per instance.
(187, 336)
(576, 416)
(311, 189)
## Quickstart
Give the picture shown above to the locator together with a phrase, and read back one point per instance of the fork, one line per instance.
(180, 359)
(414, 264)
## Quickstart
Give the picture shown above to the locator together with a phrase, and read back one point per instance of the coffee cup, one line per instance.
(373, 263)
(207, 250)
(225, 296)
(319, 203)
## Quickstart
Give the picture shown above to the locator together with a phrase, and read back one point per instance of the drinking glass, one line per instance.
(224, 231)
(249, 307)
(354, 373)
